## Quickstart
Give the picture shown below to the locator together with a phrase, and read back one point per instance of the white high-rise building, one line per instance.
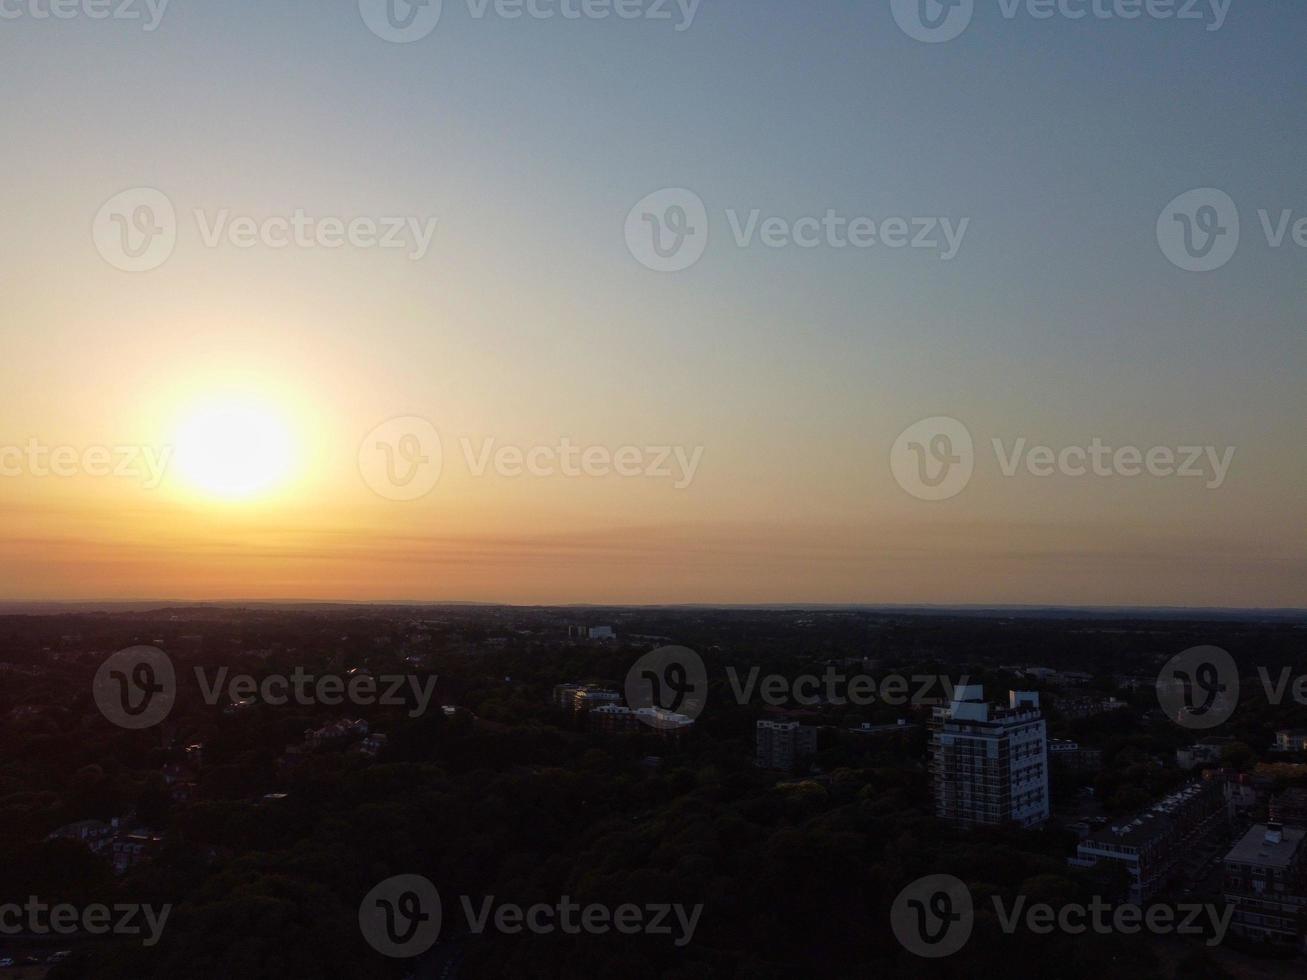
(990, 764)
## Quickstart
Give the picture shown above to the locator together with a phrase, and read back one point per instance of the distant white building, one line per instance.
(989, 763)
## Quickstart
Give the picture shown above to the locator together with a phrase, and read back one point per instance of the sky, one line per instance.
(764, 424)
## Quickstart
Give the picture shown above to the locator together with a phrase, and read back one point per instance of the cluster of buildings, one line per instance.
(989, 763)
(591, 633)
(603, 710)
(121, 841)
(340, 732)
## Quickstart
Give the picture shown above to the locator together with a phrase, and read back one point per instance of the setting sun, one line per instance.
(234, 448)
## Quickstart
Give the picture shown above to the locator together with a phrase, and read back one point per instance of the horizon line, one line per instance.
(98, 604)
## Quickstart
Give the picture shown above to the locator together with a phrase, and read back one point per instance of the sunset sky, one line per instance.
(529, 320)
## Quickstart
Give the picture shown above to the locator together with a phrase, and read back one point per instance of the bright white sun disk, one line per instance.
(234, 449)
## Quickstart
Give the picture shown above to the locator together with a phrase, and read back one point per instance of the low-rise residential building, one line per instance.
(1240, 789)
(617, 719)
(1290, 807)
(1291, 740)
(130, 849)
(1073, 757)
(613, 719)
(95, 834)
(579, 698)
(1266, 883)
(664, 722)
(336, 731)
(1204, 752)
(900, 727)
(564, 693)
(1088, 706)
(1162, 844)
(589, 698)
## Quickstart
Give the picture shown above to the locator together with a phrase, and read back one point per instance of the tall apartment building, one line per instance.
(989, 763)
(1172, 838)
(784, 744)
(1266, 882)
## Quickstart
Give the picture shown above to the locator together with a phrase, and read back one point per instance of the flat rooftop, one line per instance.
(1255, 849)
(1158, 819)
